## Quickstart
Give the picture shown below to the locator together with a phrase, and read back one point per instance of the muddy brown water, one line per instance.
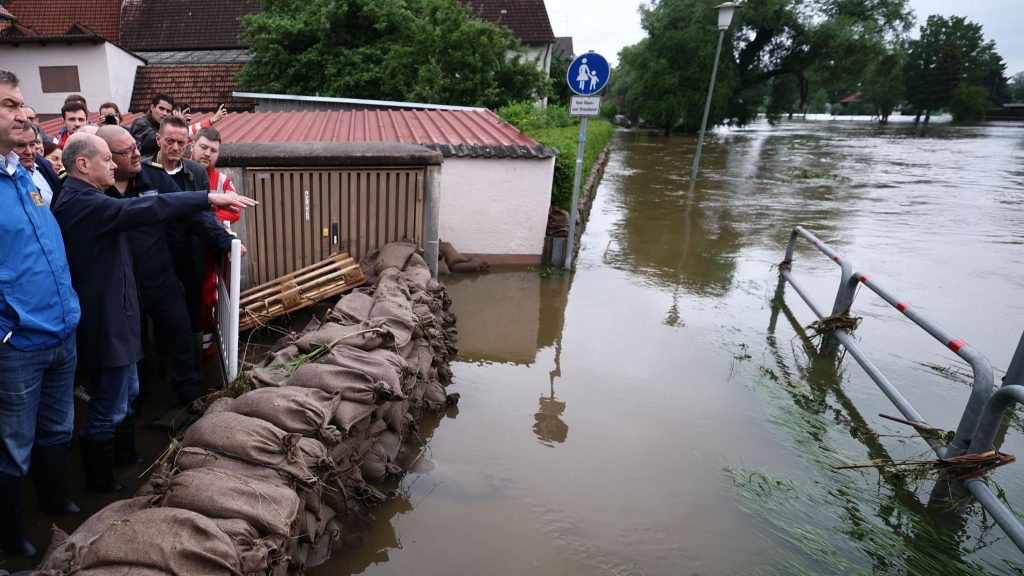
(648, 416)
(653, 414)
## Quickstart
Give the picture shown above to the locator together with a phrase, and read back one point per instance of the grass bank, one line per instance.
(554, 127)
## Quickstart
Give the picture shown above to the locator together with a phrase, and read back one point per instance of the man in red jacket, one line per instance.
(206, 151)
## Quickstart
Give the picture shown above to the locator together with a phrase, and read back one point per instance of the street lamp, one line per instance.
(724, 19)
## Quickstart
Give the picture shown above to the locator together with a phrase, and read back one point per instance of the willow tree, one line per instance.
(777, 53)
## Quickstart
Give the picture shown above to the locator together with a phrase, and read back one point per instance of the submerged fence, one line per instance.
(976, 431)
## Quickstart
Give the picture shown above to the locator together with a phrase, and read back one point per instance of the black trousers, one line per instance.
(176, 343)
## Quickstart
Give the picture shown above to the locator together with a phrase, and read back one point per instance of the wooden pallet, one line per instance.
(334, 275)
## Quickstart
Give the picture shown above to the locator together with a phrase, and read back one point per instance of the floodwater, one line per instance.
(653, 414)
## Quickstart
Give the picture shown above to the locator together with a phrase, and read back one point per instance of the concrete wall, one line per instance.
(493, 206)
(105, 72)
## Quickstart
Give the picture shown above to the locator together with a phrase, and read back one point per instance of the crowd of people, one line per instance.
(102, 228)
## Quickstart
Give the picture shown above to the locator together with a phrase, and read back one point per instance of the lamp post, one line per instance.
(724, 19)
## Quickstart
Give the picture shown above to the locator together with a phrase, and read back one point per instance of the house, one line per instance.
(529, 23)
(71, 50)
(192, 48)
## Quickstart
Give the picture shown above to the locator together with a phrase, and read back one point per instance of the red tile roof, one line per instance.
(203, 87)
(56, 18)
(528, 19)
(451, 132)
(183, 24)
(460, 133)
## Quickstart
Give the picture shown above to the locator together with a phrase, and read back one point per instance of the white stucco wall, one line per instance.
(496, 206)
(101, 67)
(122, 67)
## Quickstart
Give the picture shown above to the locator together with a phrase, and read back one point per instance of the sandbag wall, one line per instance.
(265, 482)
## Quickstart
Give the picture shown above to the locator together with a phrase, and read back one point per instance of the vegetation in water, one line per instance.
(878, 519)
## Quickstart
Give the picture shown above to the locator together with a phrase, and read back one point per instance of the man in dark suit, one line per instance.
(39, 169)
(94, 227)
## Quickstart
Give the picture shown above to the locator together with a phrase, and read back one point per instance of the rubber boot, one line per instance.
(98, 464)
(124, 443)
(50, 475)
(12, 528)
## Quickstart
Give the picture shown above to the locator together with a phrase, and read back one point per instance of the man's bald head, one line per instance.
(123, 150)
(87, 157)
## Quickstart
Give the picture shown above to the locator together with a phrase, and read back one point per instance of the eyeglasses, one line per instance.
(127, 153)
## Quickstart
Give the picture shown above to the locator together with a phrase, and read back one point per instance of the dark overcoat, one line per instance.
(102, 271)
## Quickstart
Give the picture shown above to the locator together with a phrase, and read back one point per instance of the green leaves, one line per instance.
(409, 50)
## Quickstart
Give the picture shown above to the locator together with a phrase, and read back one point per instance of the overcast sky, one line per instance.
(605, 26)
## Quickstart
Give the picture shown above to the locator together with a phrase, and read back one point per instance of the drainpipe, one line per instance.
(432, 217)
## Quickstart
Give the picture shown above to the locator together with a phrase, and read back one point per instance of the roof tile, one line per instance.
(528, 19)
(203, 87)
(53, 19)
(183, 24)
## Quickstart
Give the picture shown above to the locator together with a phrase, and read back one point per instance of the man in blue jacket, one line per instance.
(38, 314)
(94, 227)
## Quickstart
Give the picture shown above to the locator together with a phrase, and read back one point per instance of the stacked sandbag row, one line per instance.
(451, 261)
(265, 482)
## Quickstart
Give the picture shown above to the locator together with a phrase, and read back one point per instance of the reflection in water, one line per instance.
(548, 425)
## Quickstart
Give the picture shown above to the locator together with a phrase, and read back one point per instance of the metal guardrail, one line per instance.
(985, 408)
(229, 284)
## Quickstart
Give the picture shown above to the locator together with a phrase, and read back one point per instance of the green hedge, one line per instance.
(554, 127)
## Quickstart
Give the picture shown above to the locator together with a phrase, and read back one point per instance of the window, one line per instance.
(59, 78)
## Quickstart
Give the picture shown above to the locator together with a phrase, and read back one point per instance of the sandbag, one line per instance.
(268, 376)
(450, 254)
(66, 552)
(347, 383)
(256, 555)
(192, 457)
(379, 461)
(353, 308)
(256, 441)
(352, 417)
(305, 411)
(442, 268)
(367, 335)
(380, 365)
(471, 265)
(176, 541)
(268, 508)
(396, 254)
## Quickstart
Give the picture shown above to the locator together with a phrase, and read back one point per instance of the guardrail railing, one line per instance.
(976, 431)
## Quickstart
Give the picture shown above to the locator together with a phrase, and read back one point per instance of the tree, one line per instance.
(413, 50)
(1016, 87)
(951, 52)
(883, 84)
(794, 47)
(777, 53)
(968, 102)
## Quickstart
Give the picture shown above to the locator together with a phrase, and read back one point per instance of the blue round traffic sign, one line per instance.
(587, 74)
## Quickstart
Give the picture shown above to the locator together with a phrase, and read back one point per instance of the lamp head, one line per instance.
(725, 12)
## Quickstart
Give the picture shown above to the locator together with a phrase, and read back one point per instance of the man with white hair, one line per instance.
(94, 226)
(39, 311)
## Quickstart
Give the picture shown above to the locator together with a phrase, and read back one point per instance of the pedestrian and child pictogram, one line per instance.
(588, 73)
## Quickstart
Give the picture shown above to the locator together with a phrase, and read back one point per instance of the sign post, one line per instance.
(586, 76)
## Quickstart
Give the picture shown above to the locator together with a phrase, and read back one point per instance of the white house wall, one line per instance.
(122, 67)
(496, 207)
(105, 73)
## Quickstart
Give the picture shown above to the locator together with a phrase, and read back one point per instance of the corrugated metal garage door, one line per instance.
(305, 215)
